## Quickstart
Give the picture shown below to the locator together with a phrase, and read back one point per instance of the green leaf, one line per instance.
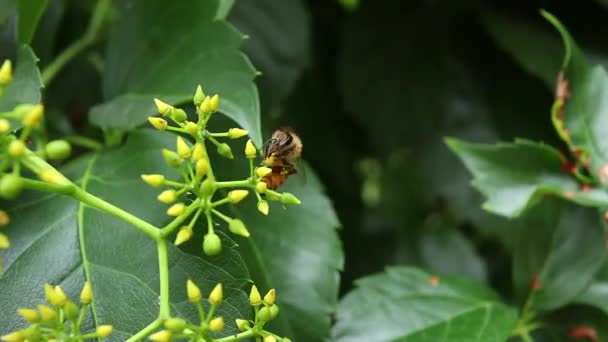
(56, 240)
(515, 176)
(559, 247)
(6, 8)
(403, 304)
(150, 56)
(26, 84)
(596, 294)
(29, 12)
(586, 112)
(225, 6)
(280, 48)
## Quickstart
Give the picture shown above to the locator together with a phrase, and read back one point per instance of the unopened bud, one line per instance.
(154, 180)
(199, 96)
(58, 149)
(10, 186)
(161, 336)
(235, 196)
(270, 297)
(237, 227)
(177, 209)
(183, 150)
(176, 325)
(16, 148)
(261, 187)
(56, 296)
(270, 338)
(205, 106)
(5, 126)
(287, 198)
(71, 310)
(29, 315)
(4, 242)
(235, 133)
(207, 187)
(217, 294)
(263, 171)
(86, 295)
(47, 313)
(191, 128)
(163, 108)
(243, 324)
(263, 207)
(33, 118)
(250, 150)
(216, 324)
(274, 311)
(104, 330)
(6, 73)
(214, 103)
(171, 158)
(158, 123)
(254, 296)
(212, 245)
(179, 115)
(15, 336)
(184, 234)
(4, 218)
(168, 196)
(194, 293)
(198, 152)
(202, 167)
(224, 150)
(264, 314)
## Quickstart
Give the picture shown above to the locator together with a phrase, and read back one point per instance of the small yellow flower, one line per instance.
(261, 187)
(6, 72)
(163, 108)
(263, 171)
(5, 126)
(104, 330)
(202, 167)
(235, 196)
(154, 180)
(158, 123)
(34, 117)
(250, 150)
(71, 310)
(171, 158)
(184, 234)
(205, 106)
(214, 103)
(216, 324)
(177, 209)
(16, 148)
(86, 295)
(59, 298)
(168, 196)
(270, 297)
(161, 336)
(217, 295)
(191, 128)
(4, 242)
(183, 150)
(47, 313)
(194, 293)
(199, 96)
(30, 315)
(16, 336)
(198, 153)
(242, 324)
(254, 296)
(235, 133)
(263, 207)
(237, 227)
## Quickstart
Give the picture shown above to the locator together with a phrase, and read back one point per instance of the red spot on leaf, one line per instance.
(535, 283)
(568, 167)
(586, 187)
(562, 88)
(434, 281)
(569, 194)
(581, 332)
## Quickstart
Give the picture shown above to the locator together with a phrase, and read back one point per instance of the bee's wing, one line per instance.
(300, 176)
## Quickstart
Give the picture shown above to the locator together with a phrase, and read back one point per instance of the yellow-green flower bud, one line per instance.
(216, 324)
(254, 296)
(270, 297)
(4, 242)
(6, 73)
(15, 336)
(4, 218)
(158, 123)
(104, 330)
(30, 315)
(198, 152)
(5, 126)
(154, 180)
(261, 187)
(273, 196)
(16, 148)
(207, 187)
(235, 133)
(263, 207)
(179, 115)
(217, 294)
(263, 171)
(177, 209)
(191, 128)
(212, 245)
(71, 310)
(47, 313)
(205, 106)
(86, 295)
(274, 311)
(243, 324)
(33, 118)
(264, 314)
(171, 158)
(176, 325)
(183, 150)
(202, 167)
(10, 186)
(285, 339)
(58, 149)
(161, 336)
(224, 150)
(214, 103)
(56, 296)
(235, 196)
(50, 176)
(199, 96)
(237, 227)
(287, 198)
(163, 108)
(167, 196)
(194, 293)
(184, 234)
(270, 338)
(250, 150)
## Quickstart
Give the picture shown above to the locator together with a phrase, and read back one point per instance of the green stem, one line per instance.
(240, 336)
(233, 184)
(173, 225)
(146, 331)
(84, 142)
(163, 269)
(90, 36)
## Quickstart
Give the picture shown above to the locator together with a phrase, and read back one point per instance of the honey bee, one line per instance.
(280, 154)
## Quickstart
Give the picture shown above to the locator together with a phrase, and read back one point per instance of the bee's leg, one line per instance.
(290, 170)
